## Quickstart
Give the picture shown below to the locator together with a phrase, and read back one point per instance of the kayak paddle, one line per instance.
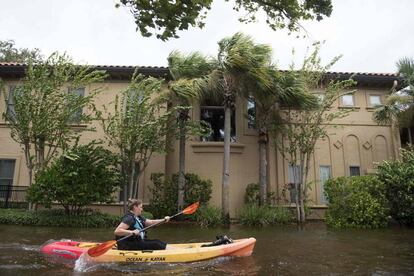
(103, 247)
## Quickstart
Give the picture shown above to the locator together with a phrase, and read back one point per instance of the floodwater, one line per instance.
(283, 250)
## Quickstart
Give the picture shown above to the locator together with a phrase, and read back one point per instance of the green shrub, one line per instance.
(207, 216)
(252, 195)
(398, 177)
(147, 215)
(264, 215)
(84, 175)
(356, 202)
(165, 193)
(58, 217)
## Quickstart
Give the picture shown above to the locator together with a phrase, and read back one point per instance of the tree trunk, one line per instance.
(226, 164)
(297, 191)
(30, 169)
(262, 168)
(181, 168)
(136, 176)
(125, 188)
(131, 178)
(125, 196)
(302, 217)
(136, 189)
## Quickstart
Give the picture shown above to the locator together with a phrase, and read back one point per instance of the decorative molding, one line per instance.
(367, 145)
(216, 147)
(353, 108)
(338, 144)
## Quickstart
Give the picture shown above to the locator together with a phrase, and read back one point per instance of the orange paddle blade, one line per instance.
(100, 249)
(191, 209)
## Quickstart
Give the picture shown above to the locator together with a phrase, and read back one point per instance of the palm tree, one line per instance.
(287, 90)
(399, 105)
(184, 70)
(240, 62)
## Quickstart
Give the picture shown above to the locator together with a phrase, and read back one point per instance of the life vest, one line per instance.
(139, 224)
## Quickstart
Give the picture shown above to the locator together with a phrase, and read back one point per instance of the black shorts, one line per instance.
(141, 244)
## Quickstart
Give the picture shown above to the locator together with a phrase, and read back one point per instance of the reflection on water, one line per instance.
(283, 250)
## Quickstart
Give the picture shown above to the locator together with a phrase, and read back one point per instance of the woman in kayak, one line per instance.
(133, 223)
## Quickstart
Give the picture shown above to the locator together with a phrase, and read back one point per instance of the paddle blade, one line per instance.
(101, 249)
(191, 209)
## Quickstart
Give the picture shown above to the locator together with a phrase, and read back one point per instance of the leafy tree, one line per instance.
(9, 53)
(240, 62)
(43, 109)
(399, 105)
(357, 202)
(165, 18)
(183, 90)
(398, 178)
(300, 128)
(165, 189)
(283, 92)
(137, 128)
(82, 175)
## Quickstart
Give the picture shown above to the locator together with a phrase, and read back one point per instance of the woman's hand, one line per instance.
(167, 219)
(135, 232)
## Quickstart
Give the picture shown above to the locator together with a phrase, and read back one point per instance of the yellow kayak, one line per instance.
(186, 252)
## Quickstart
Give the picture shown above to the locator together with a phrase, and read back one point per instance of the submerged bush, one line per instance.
(398, 177)
(252, 195)
(85, 174)
(58, 217)
(356, 202)
(165, 193)
(207, 216)
(264, 215)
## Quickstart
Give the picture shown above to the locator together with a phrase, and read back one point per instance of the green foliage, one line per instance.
(208, 216)
(58, 217)
(252, 195)
(356, 202)
(43, 108)
(165, 190)
(300, 128)
(402, 93)
(9, 53)
(398, 178)
(83, 175)
(164, 18)
(137, 127)
(264, 215)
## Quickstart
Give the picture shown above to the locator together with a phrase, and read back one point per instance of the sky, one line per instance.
(371, 35)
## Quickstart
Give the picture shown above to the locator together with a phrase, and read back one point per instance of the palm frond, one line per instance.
(385, 114)
(193, 65)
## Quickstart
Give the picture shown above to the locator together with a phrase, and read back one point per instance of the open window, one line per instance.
(213, 114)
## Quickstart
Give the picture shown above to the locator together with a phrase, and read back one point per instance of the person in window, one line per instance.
(133, 223)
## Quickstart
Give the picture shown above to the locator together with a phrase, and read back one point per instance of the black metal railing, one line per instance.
(13, 196)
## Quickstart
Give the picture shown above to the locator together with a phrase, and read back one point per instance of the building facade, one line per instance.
(353, 148)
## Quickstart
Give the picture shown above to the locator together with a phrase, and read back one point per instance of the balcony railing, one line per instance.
(13, 196)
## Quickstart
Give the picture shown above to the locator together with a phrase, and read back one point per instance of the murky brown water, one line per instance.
(284, 250)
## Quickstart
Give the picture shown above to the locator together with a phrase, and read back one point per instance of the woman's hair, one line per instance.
(133, 202)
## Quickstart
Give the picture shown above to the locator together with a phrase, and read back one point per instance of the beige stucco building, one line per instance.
(351, 149)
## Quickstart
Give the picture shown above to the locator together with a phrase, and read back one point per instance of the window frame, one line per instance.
(75, 117)
(374, 95)
(342, 100)
(10, 105)
(353, 167)
(13, 174)
(322, 197)
(251, 122)
(292, 191)
(233, 138)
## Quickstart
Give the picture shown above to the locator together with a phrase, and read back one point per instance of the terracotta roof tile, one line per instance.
(11, 64)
